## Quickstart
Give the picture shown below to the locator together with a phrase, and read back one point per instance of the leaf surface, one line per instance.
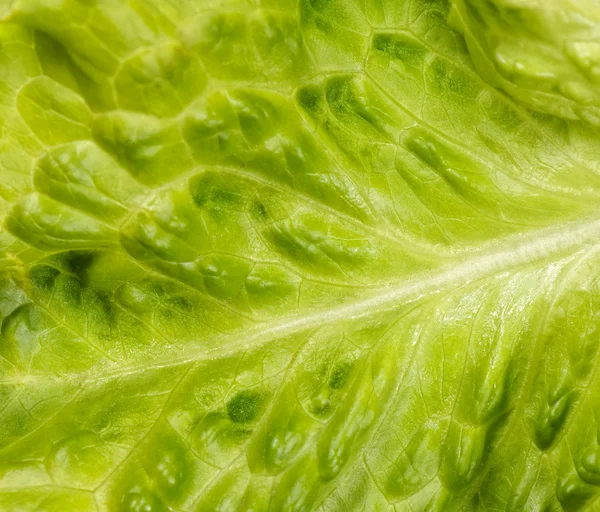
(294, 255)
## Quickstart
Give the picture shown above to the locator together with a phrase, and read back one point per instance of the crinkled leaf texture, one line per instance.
(296, 255)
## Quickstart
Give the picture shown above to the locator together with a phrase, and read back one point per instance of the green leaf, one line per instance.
(547, 57)
(299, 255)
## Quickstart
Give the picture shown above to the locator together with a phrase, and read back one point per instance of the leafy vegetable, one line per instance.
(296, 255)
(545, 54)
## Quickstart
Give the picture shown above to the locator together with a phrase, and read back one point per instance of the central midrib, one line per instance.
(550, 244)
(546, 244)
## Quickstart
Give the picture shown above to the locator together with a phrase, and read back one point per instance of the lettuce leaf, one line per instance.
(297, 255)
(544, 54)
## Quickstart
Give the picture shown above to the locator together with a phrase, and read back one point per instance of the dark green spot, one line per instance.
(339, 375)
(320, 5)
(321, 408)
(210, 191)
(78, 263)
(244, 406)
(158, 288)
(44, 276)
(310, 98)
(258, 211)
(551, 419)
(323, 25)
(100, 306)
(502, 114)
(399, 47)
(223, 197)
(180, 303)
(290, 245)
(450, 79)
(340, 95)
(253, 127)
(347, 99)
(199, 193)
(427, 150)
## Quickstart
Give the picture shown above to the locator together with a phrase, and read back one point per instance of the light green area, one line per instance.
(544, 53)
(299, 255)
